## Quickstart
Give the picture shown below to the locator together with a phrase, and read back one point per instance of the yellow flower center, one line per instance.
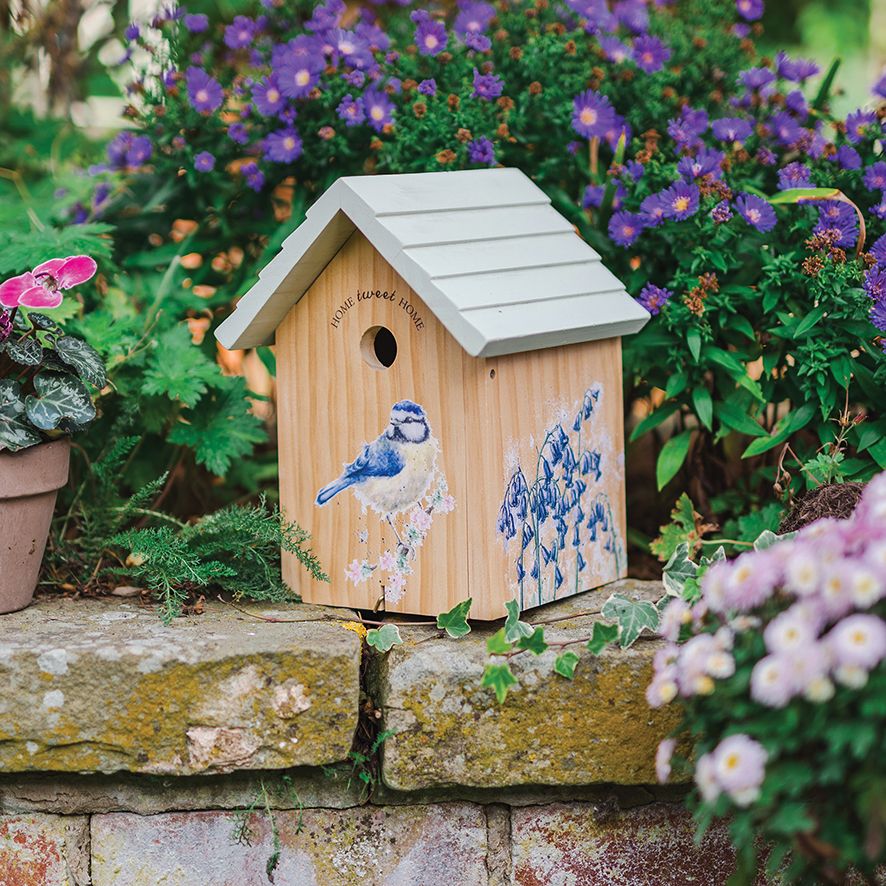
(431, 41)
(588, 116)
(289, 143)
(302, 78)
(681, 204)
(377, 113)
(273, 95)
(732, 761)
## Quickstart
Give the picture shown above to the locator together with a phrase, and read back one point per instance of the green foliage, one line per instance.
(566, 663)
(601, 636)
(686, 528)
(515, 629)
(631, 616)
(455, 622)
(500, 679)
(364, 764)
(384, 638)
(534, 643)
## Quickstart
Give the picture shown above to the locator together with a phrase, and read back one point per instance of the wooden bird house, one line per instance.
(449, 394)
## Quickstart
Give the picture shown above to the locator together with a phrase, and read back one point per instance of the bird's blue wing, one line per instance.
(378, 459)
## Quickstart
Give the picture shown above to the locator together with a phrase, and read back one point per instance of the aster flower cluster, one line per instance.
(793, 626)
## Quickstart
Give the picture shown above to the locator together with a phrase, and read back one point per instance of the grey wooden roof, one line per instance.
(485, 250)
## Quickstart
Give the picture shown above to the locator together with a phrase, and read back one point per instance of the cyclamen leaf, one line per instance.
(59, 399)
(566, 663)
(633, 616)
(15, 432)
(534, 643)
(25, 351)
(384, 638)
(500, 679)
(601, 636)
(83, 358)
(514, 628)
(455, 622)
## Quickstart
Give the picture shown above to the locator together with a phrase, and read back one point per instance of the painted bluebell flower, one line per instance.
(558, 577)
(527, 536)
(582, 565)
(521, 571)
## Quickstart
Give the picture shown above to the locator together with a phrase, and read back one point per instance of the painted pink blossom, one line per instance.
(355, 572)
(395, 587)
(420, 519)
(41, 288)
(387, 561)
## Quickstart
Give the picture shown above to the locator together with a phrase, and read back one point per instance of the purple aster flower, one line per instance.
(765, 157)
(732, 129)
(139, 151)
(592, 114)
(240, 32)
(653, 209)
(238, 133)
(756, 79)
(486, 86)
(283, 146)
(756, 212)
(878, 315)
(255, 178)
(741, 30)
(266, 97)
(875, 176)
(614, 50)
(721, 213)
(834, 215)
(686, 129)
(430, 35)
(749, 10)
(633, 15)
(794, 175)
(481, 150)
(196, 23)
(297, 74)
(650, 53)
(473, 17)
(875, 283)
(379, 109)
(860, 124)
(355, 51)
(395, 85)
(355, 78)
(879, 88)
(204, 92)
(593, 196)
(680, 200)
(654, 298)
(785, 128)
(635, 169)
(880, 209)
(351, 110)
(132, 32)
(204, 162)
(878, 250)
(625, 227)
(428, 87)
(477, 42)
(706, 162)
(796, 70)
(848, 157)
(373, 34)
(796, 103)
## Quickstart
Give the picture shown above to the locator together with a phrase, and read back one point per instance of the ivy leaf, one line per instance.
(498, 644)
(566, 663)
(632, 617)
(178, 369)
(221, 428)
(384, 638)
(767, 538)
(678, 570)
(83, 358)
(25, 351)
(535, 642)
(455, 622)
(671, 458)
(59, 398)
(514, 628)
(601, 636)
(500, 679)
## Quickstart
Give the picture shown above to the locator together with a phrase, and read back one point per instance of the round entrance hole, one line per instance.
(379, 347)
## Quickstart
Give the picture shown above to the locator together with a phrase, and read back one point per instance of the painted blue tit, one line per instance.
(393, 472)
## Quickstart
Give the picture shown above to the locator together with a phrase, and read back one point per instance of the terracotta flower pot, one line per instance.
(29, 483)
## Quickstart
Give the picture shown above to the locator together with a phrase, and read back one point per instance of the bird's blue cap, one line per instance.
(408, 406)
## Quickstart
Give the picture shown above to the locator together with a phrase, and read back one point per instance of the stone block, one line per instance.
(579, 844)
(596, 728)
(44, 850)
(103, 686)
(407, 846)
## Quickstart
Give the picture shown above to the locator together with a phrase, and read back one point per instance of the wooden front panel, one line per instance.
(332, 402)
(524, 409)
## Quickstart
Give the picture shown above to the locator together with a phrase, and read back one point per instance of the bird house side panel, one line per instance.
(550, 521)
(372, 456)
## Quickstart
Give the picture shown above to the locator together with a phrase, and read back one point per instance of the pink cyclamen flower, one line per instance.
(41, 288)
(739, 766)
(663, 759)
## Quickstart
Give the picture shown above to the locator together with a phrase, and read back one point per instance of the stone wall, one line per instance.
(211, 751)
